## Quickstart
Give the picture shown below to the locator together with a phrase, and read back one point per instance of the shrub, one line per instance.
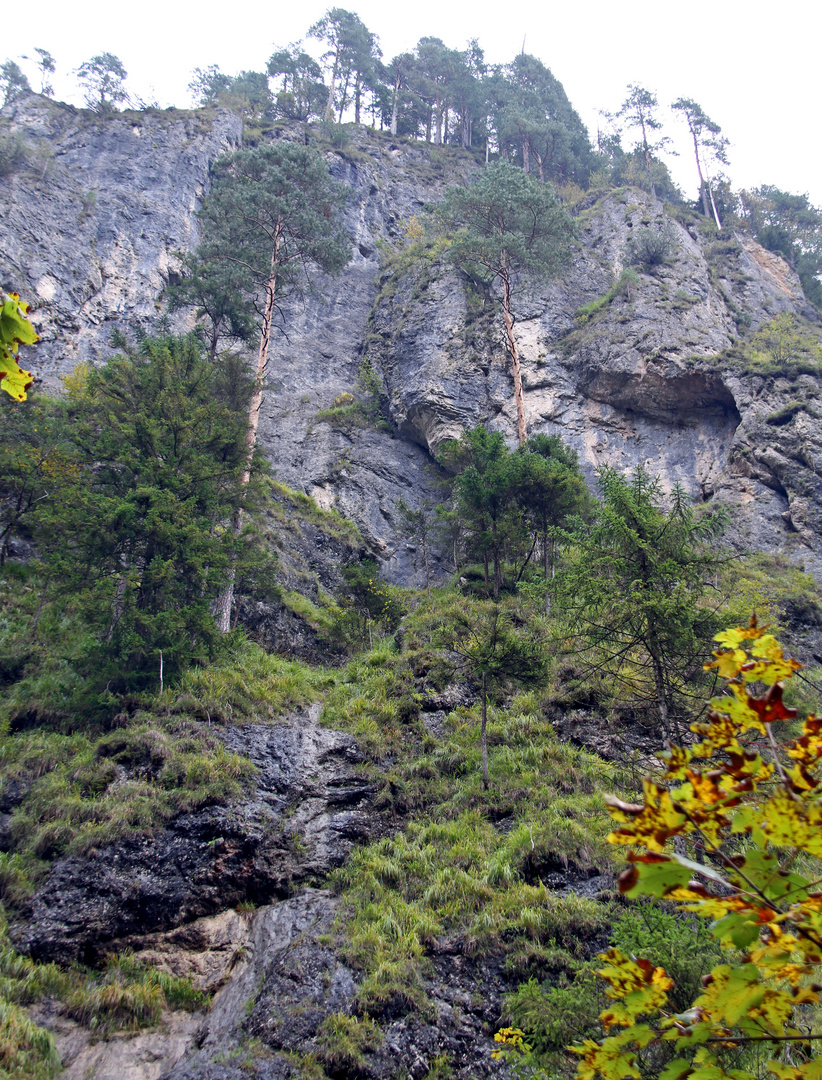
(649, 248)
(13, 154)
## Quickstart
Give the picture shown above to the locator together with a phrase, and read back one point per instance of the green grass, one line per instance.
(93, 768)
(330, 521)
(464, 862)
(250, 684)
(124, 996)
(461, 863)
(88, 790)
(623, 283)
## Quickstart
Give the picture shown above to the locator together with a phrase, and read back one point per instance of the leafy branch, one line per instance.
(759, 820)
(15, 330)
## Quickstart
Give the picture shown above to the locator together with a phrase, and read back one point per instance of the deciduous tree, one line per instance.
(104, 78)
(749, 797)
(15, 330)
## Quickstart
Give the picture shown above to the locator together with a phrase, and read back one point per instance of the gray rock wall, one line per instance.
(95, 217)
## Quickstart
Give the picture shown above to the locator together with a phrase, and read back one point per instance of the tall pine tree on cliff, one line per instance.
(505, 222)
(271, 218)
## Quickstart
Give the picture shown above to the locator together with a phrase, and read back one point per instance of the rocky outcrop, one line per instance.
(307, 809)
(638, 381)
(94, 219)
(290, 981)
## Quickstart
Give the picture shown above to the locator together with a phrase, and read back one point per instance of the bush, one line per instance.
(649, 248)
(13, 154)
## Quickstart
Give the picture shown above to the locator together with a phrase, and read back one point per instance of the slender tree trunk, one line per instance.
(526, 157)
(497, 568)
(650, 174)
(662, 701)
(344, 96)
(222, 609)
(703, 187)
(528, 558)
(549, 564)
(713, 204)
(512, 348)
(395, 107)
(357, 92)
(119, 604)
(647, 159)
(329, 106)
(484, 740)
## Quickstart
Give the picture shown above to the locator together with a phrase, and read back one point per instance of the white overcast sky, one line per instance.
(753, 67)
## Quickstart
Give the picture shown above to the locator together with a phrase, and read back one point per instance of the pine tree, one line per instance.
(503, 223)
(272, 216)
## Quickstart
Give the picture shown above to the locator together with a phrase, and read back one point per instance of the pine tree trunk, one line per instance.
(662, 701)
(344, 97)
(512, 348)
(703, 187)
(395, 107)
(222, 608)
(329, 107)
(485, 782)
(713, 204)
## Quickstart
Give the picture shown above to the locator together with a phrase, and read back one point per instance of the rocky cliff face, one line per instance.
(92, 224)
(95, 217)
(93, 220)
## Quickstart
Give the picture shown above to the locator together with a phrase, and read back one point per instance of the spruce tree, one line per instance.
(154, 459)
(635, 595)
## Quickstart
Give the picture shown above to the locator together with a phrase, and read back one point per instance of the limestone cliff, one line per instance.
(94, 220)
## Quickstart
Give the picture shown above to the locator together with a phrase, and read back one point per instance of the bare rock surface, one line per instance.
(145, 1056)
(92, 224)
(292, 979)
(307, 809)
